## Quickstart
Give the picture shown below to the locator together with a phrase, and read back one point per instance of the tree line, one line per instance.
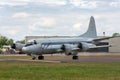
(116, 34)
(5, 41)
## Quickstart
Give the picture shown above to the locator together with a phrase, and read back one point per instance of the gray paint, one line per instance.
(54, 45)
(91, 32)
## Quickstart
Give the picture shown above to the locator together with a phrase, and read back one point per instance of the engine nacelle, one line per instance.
(85, 46)
(69, 48)
(17, 46)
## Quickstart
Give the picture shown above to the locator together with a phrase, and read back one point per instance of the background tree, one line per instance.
(9, 42)
(5, 41)
(22, 41)
(116, 34)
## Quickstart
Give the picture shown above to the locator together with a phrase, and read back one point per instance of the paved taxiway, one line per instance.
(83, 57)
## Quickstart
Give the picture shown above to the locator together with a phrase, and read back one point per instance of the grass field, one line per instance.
(14, 57)
(59, 71)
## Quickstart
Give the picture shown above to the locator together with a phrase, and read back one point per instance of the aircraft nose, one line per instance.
(13, 46)
(24, 49)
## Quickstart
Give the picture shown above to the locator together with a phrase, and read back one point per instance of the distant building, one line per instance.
(115, 45)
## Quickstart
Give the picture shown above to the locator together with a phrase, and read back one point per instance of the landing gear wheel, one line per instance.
(33, 58)
(75, 57)
(40, 57)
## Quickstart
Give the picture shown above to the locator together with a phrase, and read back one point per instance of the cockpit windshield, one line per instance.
(32, 42)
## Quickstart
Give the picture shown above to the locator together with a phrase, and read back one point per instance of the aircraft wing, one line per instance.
(103, 46)
(74, 49)
(88, 47)
(103, 38)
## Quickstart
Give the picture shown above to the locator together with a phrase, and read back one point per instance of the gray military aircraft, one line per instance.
(69, 46)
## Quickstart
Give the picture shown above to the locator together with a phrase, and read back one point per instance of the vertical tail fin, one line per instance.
(91, 32)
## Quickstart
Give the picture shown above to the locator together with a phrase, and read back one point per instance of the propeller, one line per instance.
(13, 46)
(80, 45)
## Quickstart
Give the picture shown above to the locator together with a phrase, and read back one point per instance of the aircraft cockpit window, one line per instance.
(28, 44)
(31, 43)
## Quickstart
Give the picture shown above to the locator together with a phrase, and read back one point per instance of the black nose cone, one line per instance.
(13, 46)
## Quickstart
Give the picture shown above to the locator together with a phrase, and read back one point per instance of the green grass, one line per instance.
(59, 71)
(15, 57)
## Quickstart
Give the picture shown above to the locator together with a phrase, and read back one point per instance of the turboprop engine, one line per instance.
(85, 46)
(71, 49)
(18, 47)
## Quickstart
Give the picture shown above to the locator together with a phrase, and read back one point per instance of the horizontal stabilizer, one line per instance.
(103, 38)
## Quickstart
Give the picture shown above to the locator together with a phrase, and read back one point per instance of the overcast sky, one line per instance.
(20, 18)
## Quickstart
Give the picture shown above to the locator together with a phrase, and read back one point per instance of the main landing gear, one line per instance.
(42, 58)
(75, 57)
(39, 58)
(33, 58)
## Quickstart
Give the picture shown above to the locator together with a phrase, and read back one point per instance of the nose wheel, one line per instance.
(75, 57)
(40, 57)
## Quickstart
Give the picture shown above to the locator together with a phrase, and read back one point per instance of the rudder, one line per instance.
(91, 32)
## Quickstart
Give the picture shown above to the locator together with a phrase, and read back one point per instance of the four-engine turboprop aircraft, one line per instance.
(70, 46)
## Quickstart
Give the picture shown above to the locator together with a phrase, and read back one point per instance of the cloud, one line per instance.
(26, 2)
(77, 26)
(43, 22)
(47, 21)
(84, 4)
(13, 3)
(52, 2)
(115, 4)
(13, 32)
(21, 15)
(10, 30)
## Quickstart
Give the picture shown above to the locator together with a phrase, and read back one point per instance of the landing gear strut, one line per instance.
(33, 58)
(40, 57)
(75, 57)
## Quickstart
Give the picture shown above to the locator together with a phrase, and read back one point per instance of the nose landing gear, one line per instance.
(75, 57)
(40, 57)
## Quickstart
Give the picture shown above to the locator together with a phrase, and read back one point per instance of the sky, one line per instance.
(20, 18)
